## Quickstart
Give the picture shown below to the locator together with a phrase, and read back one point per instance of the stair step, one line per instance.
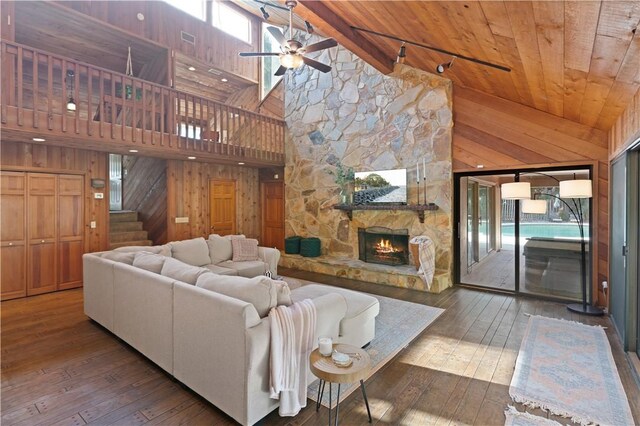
(118, 237)
(131, 243)
(123, 216)
(125, 226)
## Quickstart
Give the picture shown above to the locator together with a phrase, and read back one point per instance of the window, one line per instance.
(195, 8)
(230, 21)
(269, 63)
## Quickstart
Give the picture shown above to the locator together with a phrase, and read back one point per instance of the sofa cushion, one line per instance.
(244, 249)
(195, 252)
(181, 271)
(259, 291)
(164, 250)
(220, 270)
(150, 261)
(283, 293)
(248, 269)
(220, 248)
(116, 256)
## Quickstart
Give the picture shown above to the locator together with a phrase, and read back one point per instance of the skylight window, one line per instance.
(230, 21)
(195, 8)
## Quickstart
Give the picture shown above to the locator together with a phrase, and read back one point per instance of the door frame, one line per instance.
(590, 166)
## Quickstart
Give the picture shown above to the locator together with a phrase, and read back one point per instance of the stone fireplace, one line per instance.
(383, 245)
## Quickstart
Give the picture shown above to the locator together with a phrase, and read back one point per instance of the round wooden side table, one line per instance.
(324, 369)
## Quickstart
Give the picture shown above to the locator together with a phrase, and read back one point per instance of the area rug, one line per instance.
(514, 417)
(397, 324)
(567, 368)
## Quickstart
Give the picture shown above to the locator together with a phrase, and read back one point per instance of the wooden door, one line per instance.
(42, 233)
(70, 231)
(273, 214)
(222, 207)
(13, 235)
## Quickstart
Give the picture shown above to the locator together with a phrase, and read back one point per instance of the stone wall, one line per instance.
(367, 121)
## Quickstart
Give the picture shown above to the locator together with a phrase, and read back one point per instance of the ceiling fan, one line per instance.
(292, 55)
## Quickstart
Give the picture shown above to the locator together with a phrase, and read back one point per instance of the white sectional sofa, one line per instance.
(182, 317)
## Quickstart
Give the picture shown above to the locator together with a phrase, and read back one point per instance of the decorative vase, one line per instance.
(346, 194)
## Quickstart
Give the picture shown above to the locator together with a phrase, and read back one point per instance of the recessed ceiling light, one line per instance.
(241, 163)
(191, 68)
(191, 158)
(140, 16)
(480, 166)
(224, 80)
(133, 150)
(38, 139)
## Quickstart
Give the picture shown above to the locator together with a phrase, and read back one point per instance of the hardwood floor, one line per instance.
(59, 368)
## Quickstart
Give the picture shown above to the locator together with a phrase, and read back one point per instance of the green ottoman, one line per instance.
(292, 245)
(310, 247)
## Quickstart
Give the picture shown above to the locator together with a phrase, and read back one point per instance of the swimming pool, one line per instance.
(545, 230)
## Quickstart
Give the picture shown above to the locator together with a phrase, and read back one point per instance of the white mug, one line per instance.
(325, 346)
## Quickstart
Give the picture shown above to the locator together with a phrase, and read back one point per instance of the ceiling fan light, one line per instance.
(516, 191)
(578, 188)
(291, 60)
(534, 206)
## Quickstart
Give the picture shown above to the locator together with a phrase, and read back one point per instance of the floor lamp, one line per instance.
(575, 189)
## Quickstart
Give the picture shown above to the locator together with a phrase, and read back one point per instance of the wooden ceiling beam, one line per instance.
(334, 26)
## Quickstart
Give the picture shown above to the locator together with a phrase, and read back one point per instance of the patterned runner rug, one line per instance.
(567, 368)
(397, 324)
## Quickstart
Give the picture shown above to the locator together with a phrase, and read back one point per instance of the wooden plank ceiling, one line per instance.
(576, 59)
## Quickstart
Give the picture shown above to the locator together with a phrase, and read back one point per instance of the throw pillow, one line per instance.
(124, 257)
(194, 252)
(150, 261)
(283, 293)
(181, 271)
(220, 248)
(259, 291)
(244, 249)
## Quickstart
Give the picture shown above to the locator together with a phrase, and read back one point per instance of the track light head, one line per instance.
(309, 27)
(402, 54)
(445, 66)
(265, 15)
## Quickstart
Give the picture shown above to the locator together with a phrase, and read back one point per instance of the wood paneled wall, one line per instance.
(273, 103)
(188, 196)
(7, 16)
(501, 134)
(626, 128)
(35, 157)
(144, 189)
(163, 24)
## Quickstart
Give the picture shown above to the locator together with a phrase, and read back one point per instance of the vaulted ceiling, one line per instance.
(575, 59)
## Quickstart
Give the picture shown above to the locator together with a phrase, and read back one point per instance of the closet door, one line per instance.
(42, 233)
(13, 235)
(70, 231)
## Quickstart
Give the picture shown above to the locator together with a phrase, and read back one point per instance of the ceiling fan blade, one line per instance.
(315, 64)
(321, 45)
(258, 54)
(281, 70)
(277, 34)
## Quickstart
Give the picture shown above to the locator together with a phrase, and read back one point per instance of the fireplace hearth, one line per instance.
(382, 245)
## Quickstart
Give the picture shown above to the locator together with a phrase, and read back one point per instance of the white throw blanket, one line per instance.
(427, 254)
(292, 338)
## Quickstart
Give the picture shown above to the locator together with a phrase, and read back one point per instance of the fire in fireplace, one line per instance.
(383, 245)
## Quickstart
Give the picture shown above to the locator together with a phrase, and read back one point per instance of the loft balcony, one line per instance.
(117, 113)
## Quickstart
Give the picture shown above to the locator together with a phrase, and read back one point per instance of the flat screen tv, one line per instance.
(381, 187)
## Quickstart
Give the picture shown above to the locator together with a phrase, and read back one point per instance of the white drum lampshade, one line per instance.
(516, 191)
(534, 206)
(578, 188)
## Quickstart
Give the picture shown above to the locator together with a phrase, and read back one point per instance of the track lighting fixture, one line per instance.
(402, 54)
(265, 15)
(445, 66)
(309, 27)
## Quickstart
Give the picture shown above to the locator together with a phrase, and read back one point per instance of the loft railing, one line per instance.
(116, 108)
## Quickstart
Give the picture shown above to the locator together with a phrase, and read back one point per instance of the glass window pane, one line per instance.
(230, 21)
(195, 8)
(269, 63)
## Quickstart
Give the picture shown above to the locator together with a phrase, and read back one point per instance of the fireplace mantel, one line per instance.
(419, 208)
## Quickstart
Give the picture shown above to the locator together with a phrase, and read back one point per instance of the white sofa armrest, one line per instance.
(98, 289)
(330, 309)
(271, 257)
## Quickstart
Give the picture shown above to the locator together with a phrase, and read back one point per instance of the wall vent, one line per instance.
(214, 71)
(188, 38)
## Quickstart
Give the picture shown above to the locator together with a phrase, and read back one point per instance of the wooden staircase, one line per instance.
(126, 230)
